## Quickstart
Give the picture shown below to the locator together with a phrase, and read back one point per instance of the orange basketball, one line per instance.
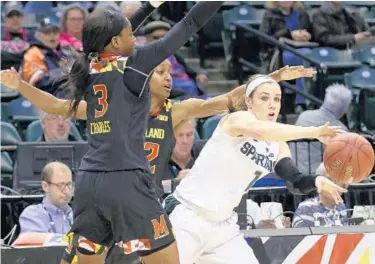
(348, 157)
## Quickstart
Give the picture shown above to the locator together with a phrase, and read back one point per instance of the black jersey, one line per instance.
(159, 142)
(118, 97)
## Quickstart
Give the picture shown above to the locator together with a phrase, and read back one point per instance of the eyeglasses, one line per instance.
(61, 186)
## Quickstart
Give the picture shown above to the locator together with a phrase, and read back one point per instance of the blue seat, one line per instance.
(9, 135)
(361, 78)
(35, 131)
(209, 126)
(338, 62)
(21, 110)
(242, 14)
(366, 56)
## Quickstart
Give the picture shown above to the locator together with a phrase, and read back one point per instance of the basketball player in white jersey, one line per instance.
(245, 146)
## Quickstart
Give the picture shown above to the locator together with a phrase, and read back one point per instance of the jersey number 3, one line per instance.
(154, 147)
(102, 100)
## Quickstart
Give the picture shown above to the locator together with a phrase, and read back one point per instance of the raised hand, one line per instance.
(323, 184)
(290, 73)
(10, 78)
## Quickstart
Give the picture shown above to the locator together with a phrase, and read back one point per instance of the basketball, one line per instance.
(348, 157)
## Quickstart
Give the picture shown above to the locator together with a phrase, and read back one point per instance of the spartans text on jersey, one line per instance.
(259, 159)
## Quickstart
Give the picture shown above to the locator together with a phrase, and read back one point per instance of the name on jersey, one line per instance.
(100, 127)
(259, 159)
(155, 133)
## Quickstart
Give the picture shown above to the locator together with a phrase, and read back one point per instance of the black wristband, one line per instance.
(287, 170)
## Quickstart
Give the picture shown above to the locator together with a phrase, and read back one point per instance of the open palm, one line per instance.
(10, 78)
(290, 73)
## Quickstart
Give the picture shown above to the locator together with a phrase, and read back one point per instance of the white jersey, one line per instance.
(225, 169)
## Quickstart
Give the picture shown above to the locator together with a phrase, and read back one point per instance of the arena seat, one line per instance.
(34, 131)
(6, 169)
(209, 126)
(22, 112)
(9, 135)
(366, 110)
(366, 56)
(361, 78)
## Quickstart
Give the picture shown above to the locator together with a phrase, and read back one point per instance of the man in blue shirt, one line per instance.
(319, 210)
(53, 215)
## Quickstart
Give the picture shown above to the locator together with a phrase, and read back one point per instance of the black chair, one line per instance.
(6, 170)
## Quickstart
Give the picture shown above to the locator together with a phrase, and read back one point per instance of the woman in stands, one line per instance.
(245, 146)
(115, 203)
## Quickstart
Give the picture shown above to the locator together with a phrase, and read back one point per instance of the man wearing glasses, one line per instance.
(53, 216)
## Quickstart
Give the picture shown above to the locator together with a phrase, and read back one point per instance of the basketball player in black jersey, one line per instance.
(114, 199)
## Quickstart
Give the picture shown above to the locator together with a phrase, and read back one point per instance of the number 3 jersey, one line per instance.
(225, 169)
(159, 142)
(116, 117)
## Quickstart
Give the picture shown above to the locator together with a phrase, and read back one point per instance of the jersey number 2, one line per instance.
(102, 100)
(154, 147)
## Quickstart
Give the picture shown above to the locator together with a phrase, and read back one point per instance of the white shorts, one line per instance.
(201, 241)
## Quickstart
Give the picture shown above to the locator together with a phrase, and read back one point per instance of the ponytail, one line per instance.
(77, 80)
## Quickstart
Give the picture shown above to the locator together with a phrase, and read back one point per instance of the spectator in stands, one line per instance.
(336, 104)
(53, 216)
(129, 7)
(185, 152)
(43, 60)
(72, 21)
(320, 209)
(56, 128)
(337, 26)
(15, 39)
(184, 77)
(287, 19)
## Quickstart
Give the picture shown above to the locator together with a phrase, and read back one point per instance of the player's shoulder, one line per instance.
(243, 115)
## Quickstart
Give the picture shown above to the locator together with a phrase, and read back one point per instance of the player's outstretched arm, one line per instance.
(286, 169)
(198, 108)
(42, 100)
(142, 13)
(244, 123)
(290, 73)
(147, 57)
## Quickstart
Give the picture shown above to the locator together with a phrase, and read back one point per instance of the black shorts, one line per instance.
(120, 208)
